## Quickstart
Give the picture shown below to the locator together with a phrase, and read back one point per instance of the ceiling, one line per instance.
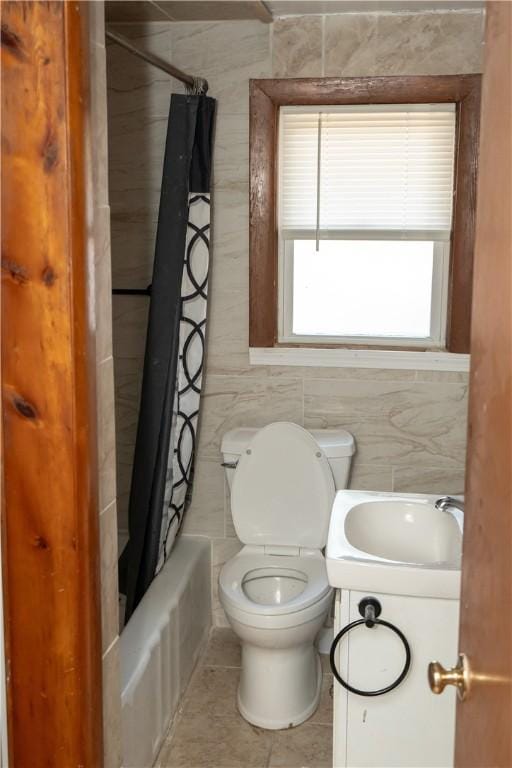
(265, 11)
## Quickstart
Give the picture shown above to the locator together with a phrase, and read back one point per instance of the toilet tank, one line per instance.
(337, 444)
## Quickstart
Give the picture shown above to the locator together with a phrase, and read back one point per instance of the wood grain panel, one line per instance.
(484, 735)
(50, 511)
(267, 96)
(262, 219)
(464, 218)
(369, 90)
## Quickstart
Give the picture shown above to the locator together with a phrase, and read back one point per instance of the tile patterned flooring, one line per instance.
(209, 733)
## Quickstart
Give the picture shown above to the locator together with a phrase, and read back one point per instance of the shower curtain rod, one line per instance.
(197, 85)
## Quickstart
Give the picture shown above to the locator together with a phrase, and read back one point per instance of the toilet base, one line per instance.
(279, 688)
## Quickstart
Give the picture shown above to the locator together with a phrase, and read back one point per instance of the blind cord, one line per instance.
(318, 172)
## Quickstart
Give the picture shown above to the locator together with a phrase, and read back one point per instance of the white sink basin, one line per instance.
(394, 543)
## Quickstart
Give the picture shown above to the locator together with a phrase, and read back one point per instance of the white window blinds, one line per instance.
(384, 169)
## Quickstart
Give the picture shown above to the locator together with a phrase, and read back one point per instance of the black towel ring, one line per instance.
(370, 608)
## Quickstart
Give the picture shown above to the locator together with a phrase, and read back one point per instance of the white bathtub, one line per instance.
(160, 646)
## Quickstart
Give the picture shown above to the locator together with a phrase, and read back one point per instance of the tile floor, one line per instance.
(209, 733)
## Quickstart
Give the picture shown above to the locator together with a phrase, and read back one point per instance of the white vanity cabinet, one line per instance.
(408, 727)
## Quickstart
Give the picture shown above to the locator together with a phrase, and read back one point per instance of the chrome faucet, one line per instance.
(448, 501)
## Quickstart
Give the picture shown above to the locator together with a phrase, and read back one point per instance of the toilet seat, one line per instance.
(283, 489)
(309, 569)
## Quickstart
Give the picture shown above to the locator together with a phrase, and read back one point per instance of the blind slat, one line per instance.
(390, 169)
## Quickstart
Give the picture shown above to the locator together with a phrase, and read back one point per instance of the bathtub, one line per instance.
(159, 648)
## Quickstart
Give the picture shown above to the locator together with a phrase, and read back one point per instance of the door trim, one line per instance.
(50, 501)
(483, 735)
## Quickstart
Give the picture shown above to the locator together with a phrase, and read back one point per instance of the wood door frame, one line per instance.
(50, 537)
(483, 732)
(267, 96)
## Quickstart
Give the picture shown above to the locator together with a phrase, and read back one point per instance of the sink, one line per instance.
(404, 531)
(395, 543)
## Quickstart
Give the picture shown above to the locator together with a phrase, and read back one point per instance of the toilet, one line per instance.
(274, 592)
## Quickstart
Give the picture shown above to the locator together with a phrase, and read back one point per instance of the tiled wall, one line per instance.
(138, 105)
(105, 394)
(409, 426)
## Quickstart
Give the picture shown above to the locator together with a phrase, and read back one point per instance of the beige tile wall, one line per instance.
(409, 426)
(105, 394)
(138, 105)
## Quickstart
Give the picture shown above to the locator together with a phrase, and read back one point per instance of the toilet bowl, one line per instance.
(275, 591)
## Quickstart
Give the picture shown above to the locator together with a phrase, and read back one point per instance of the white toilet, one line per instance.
(275, 591)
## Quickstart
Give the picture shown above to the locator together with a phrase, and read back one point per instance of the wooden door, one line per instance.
(484, 719)
(50, 559)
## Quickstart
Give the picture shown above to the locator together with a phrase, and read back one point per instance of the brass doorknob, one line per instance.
(459, 676)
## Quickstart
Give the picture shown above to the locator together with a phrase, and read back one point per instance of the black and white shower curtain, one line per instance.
(175, 345)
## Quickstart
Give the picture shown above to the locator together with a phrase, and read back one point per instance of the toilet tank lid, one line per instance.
(334, 442)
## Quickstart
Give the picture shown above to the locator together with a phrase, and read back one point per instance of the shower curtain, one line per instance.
(173, 364)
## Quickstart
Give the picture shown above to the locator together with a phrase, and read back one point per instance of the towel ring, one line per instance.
(370, 609)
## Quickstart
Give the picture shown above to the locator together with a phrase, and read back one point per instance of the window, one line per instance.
(362, 211)
(364, 220)
(364, 291)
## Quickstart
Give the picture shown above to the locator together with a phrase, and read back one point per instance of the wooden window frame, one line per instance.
(267, 96)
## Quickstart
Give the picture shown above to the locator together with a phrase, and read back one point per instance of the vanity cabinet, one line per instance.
(408, 727)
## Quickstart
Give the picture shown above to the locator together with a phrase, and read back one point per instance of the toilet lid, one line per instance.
(283, 489)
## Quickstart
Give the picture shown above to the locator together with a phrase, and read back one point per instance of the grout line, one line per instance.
(212, 596)
(303, 403)
(107, 359)
(106, 508)
(109, 647)
(270, 748)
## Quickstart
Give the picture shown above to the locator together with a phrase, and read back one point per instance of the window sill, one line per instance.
(358, 358)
